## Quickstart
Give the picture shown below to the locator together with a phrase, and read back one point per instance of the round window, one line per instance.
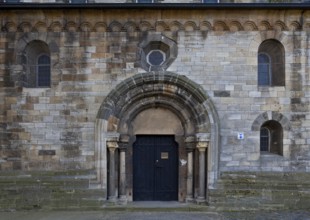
(156, 57)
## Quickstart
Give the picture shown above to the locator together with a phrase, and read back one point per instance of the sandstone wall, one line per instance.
(54, 128)
(92, 51)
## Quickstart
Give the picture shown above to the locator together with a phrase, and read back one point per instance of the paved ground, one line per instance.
(154, 211)
(147, 215)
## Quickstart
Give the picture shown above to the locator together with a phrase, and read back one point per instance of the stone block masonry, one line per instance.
(49, 190)
(53, 139)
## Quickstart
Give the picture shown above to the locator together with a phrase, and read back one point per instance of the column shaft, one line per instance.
(202, 175)
(202, 146)
(122, 180)
(112, 147)
(189, 187)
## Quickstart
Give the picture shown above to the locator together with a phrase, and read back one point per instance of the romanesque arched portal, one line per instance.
(158, 103)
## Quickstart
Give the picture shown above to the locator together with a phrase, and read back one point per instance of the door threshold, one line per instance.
(157, 204)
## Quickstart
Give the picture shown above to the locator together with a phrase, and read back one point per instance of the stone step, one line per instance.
(296, 199)
(56, 190)
(232, 206)
(235, 192)
(54, 199)
(266, 176)
(263, 185)
(262, 180)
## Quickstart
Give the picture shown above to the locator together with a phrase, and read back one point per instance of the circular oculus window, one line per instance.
(156, 57)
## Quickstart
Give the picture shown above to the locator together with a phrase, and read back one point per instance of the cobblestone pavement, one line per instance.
(146, 215)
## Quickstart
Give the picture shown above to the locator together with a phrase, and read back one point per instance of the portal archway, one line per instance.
(198, 132)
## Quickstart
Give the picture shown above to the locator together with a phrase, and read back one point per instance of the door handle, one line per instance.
(158, 165)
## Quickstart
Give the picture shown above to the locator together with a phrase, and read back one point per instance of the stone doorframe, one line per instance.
(186, 99)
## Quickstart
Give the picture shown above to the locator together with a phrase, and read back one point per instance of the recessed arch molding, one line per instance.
(158, 89)
(283, 121)
(271, 115)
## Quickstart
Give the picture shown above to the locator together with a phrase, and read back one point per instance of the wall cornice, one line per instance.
(153, 20)
(156, 6)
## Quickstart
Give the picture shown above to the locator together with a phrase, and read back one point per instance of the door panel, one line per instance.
(143, 171)
(155, 165)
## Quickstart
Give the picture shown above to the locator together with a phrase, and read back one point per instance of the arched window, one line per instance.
(271, 64)
(145, 1)
(78, 1)
(264, 70)
(210, 1)
(264, 139)
(271, 137)
(12, 1)
(38, 65)
(43, 71)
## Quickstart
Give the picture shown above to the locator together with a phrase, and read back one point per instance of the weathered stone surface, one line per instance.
(261, 190)
(99, 91)
(47, 152)
(221, 94)
(56, 190)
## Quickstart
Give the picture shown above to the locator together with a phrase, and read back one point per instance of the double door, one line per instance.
(155, 168)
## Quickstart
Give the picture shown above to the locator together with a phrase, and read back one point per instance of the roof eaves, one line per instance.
(187, 6)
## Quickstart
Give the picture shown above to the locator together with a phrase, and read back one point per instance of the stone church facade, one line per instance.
(191, 102)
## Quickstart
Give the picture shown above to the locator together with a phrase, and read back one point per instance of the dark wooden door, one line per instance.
(155, 168)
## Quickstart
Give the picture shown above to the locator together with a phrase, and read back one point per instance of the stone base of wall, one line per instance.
(78, 190)
(49, 190)
(261, 191)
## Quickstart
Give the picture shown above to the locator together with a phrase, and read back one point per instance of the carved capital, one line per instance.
(190, 143)
(123, 142)
(202, 145)
(124, 138)
(190, 139)
(112, 145)
(190, 146)
(122, 146)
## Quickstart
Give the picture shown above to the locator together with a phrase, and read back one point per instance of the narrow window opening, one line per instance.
(37, 59)
(43, 71)
(264, 139)
(264, 70)
(271, 63)
(271, 137)
(210, 1)
(145, 1)
(78, 1)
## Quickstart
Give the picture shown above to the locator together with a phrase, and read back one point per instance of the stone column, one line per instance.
(202, 146)
(112, 146)
(122, 171)
(190, 145)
